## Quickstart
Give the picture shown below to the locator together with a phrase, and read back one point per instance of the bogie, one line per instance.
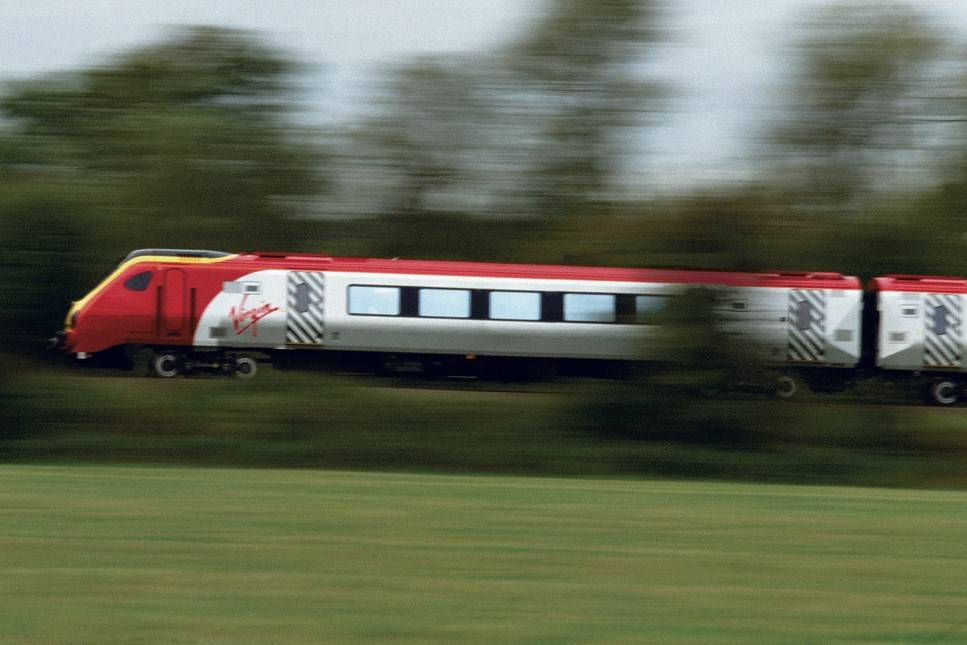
(169, 364)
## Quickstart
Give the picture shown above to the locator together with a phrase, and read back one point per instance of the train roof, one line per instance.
(303, 261)
(920, 283)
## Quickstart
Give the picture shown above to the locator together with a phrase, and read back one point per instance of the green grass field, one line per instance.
(168, 555)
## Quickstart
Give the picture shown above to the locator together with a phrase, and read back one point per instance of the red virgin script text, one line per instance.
(243, 319)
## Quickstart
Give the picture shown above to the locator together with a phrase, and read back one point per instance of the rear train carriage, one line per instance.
(921, 330)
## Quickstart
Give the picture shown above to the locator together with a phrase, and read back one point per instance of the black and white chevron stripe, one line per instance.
(942, 339)
(807, 326)
(305, 299)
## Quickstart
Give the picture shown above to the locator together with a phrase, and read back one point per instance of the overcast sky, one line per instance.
(724, 57)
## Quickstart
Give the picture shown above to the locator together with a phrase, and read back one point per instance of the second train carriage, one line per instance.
(212, 304)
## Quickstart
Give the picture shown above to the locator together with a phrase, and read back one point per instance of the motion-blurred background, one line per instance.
(799, 135)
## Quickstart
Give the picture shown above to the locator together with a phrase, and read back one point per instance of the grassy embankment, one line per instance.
(120, 555)
(307, 420)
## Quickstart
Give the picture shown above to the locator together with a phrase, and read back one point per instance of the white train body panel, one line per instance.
(277, 308)
(250, 312)
(491, 337)
(767, 319)
(844, 316)
(921, 331)
(257, 310)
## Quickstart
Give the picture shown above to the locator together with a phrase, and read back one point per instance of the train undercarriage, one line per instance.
(942, 389)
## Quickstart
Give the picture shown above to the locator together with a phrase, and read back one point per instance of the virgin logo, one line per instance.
(244, 319)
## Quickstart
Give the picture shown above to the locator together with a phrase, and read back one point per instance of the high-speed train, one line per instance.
(210, 310)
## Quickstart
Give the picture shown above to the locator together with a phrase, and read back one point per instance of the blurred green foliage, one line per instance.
(185, 143)
(43, 268)
(668, 402)
(306, 420)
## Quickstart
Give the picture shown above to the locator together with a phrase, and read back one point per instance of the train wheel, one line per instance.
(944, 392)
(245, 367)
(166, 365)
(785, 387)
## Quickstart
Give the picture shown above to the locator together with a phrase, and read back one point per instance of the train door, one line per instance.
(806, 330)
(942, 338)
(172, 304)
(305, 303)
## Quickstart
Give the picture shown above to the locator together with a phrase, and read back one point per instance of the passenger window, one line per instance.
(444, 303)
(647, 306)
(515, 305)
(138, 282)
(374, 301)
(589, 307)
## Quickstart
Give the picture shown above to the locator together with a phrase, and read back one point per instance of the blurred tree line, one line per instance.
(516, 154)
